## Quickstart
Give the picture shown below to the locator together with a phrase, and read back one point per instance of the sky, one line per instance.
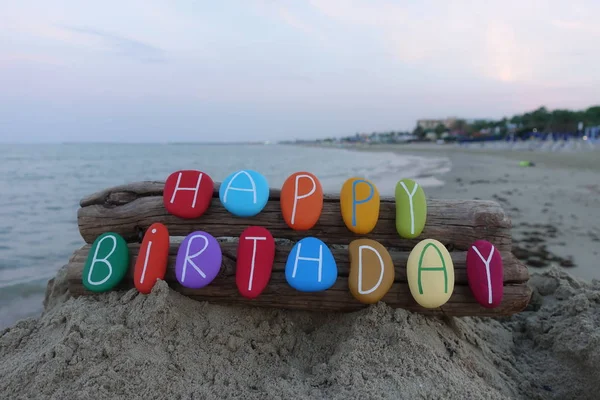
(174, 70)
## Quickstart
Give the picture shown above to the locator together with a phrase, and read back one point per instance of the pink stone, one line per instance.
(485, 273)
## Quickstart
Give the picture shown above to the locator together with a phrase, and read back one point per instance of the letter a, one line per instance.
(229, 187)
(244, 200)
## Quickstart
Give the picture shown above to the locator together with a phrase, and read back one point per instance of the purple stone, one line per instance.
(198, 260)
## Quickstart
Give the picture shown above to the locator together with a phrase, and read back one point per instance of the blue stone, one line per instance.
(310, 266)
(244, 193)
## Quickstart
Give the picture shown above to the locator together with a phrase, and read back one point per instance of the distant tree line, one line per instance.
(540, 120)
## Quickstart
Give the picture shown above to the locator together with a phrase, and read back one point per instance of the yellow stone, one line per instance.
(430, 273)
(371, 270)
(359, 203)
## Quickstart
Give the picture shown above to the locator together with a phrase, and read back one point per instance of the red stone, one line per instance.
(256, 248)
(151, 263)
(486, 283)
(188, 193)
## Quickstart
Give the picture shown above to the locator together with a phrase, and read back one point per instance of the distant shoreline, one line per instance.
(589, 160)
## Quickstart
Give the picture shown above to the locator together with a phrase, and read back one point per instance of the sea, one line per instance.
(41, 186)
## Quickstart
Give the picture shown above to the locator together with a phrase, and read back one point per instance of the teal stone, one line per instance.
(310, 266)
(244, 193)
(107, 263)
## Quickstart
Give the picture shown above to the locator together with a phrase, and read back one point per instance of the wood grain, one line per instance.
(130, 209)
(280, 294)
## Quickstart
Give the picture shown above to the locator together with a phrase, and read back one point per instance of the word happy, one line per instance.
(310, 265)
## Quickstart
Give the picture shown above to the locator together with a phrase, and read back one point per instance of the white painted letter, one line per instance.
(319, 260)
(487, 270)
(254, 239)
(303, 196)
(104, 260)
(410, 203)
(360, 290)
(195, 189)
(228, 188)
(188, 258)
(146, 259)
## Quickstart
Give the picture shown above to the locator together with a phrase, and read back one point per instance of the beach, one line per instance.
(165, 345)
(554, 206)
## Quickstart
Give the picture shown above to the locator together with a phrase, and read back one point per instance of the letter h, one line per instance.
(319, 260)
(195, 189)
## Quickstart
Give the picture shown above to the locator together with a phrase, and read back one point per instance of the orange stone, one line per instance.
(151, 263)
(371, 270)
(359, 204)
(301, 200)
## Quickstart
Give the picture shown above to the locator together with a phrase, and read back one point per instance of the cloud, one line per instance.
(135, 49)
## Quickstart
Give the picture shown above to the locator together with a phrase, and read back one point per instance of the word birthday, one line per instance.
(310, 265)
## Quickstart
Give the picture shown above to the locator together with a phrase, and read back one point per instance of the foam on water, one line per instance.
(41, 186)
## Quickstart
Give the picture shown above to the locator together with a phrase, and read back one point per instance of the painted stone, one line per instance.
(485, 273)
(411, 209)
(359, 203)
(151, 263)
(244, 193)
(301, 200)
(107, 263)
(255, 256)
(371, 270)
(310, 266)
(430, 273)
(198, 260)
(188, 193)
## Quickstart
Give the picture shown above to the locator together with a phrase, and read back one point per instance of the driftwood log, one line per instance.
(130, 209)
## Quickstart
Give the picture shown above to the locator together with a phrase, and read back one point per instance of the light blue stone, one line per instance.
(302, 266)
(244, 193)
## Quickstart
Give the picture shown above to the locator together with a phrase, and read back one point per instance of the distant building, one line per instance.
(430, 124)
(449, 122)
(427, 124)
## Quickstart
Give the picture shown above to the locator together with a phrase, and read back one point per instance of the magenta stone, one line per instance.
(198, 260)
(485, 273)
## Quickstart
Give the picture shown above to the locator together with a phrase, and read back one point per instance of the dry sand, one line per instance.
(164, 345)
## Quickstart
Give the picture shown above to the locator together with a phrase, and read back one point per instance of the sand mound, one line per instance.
(164, 345)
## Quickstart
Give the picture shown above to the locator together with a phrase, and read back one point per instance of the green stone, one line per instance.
(107, 263)
(411, 209)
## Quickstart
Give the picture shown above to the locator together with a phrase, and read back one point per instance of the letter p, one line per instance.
(356, 201)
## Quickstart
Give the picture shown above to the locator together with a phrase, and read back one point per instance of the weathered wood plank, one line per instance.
(130, 209)
(514, 270)
(338, 298)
